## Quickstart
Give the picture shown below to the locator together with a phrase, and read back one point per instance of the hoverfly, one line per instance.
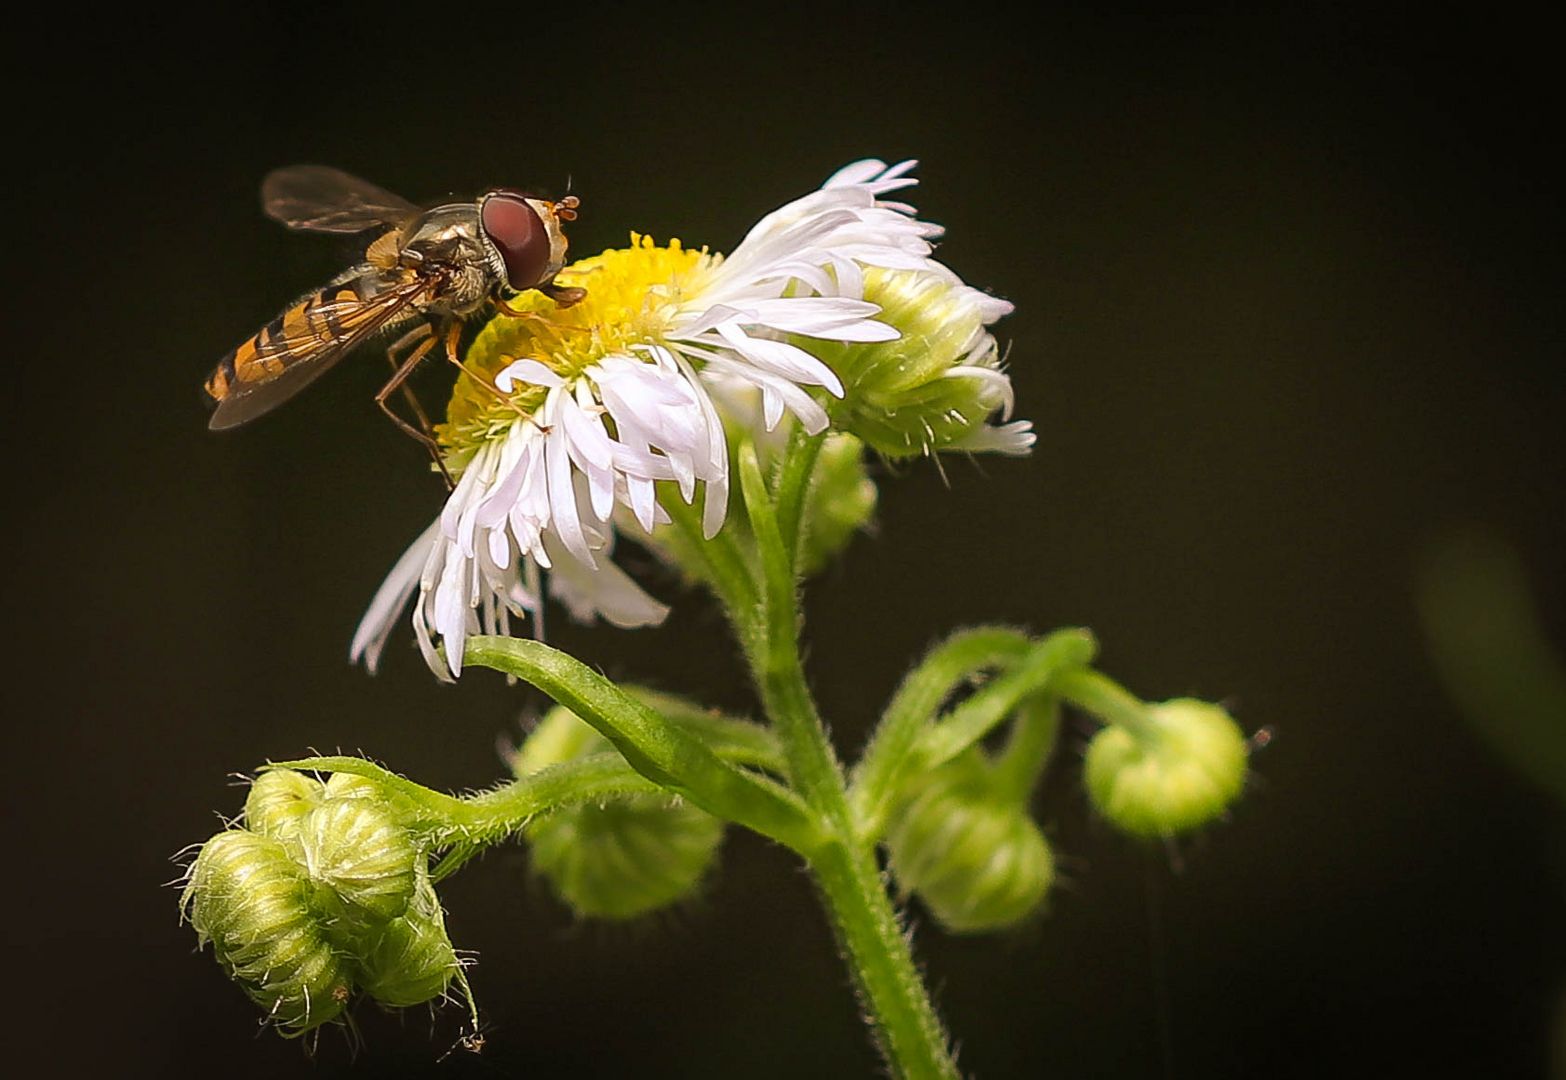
(419, 278)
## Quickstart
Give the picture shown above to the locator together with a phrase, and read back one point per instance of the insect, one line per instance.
(424, 272)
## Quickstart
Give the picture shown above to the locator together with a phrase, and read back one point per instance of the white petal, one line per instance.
(528, 371)
(369, 639)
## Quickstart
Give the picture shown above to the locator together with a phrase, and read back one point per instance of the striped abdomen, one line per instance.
(316, 323)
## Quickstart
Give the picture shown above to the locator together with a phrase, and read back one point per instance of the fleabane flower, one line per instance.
(565, 416)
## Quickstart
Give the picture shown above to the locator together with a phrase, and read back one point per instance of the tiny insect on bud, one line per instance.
(622, 859)
(1180, 773)
(970, 851)
(249, 899)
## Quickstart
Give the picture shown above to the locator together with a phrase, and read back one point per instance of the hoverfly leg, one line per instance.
(400, 374)
(562, 297)
(453, 334)
(419, 335)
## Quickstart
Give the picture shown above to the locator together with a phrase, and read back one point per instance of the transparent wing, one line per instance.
(319, 198)
(300, 345)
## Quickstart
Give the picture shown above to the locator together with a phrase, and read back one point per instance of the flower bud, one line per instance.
(1181, 772)
(278, 801)
(970, 851)
(624, 858)
(355, 848)
(344, 785)
(935, 386)
(249, 899)
(411, 960)
(841, 499)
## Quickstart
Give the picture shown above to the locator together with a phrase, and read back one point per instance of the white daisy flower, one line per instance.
(563, 417)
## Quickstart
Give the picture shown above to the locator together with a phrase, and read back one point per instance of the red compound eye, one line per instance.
(518, 232)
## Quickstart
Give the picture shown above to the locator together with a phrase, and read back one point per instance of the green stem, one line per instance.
(1047, 664)
(722, 563)
(494, 815)
(878, 953)
(661, 751)
(1028, 749)
(793, 487)
(877, 949)
(785, 694)
(947, 666)
(1106, 699)
(743, 742)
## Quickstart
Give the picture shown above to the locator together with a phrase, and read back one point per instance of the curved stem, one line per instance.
(923, 689)
(1051, 659)
(812, 763)
(1107, 700)
(877, 951)
(722, 563)
(659, 750)
(1028, 749)
(793, 487)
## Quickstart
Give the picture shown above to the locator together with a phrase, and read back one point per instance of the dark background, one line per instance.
(1287, 309)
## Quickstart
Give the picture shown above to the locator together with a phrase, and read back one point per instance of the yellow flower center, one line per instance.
(632, 294)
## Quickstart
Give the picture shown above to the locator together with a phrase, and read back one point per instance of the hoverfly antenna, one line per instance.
(565, 209)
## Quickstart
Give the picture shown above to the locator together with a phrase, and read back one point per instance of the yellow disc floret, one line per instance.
(632, 293)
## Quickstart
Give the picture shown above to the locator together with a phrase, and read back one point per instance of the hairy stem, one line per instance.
(663, 752)
(878, 953)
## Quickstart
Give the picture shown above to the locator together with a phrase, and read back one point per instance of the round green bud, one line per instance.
(840, 501)
(278, 802)
(249, 899)
(1182, 772)
(621, 859)
(356, 849)
(933, 387)
(411, 960)
(970, 852)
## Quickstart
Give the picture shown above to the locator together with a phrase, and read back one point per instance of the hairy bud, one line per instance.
(970, 851)
(1180, 773)
(411, 960)
(624, 858)
(935, 386)
(278, 802)
(250, 900)
(356, 849)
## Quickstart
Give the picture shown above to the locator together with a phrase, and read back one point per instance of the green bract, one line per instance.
(1179, 773)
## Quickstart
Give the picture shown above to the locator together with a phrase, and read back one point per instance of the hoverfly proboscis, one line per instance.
(421, 275)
